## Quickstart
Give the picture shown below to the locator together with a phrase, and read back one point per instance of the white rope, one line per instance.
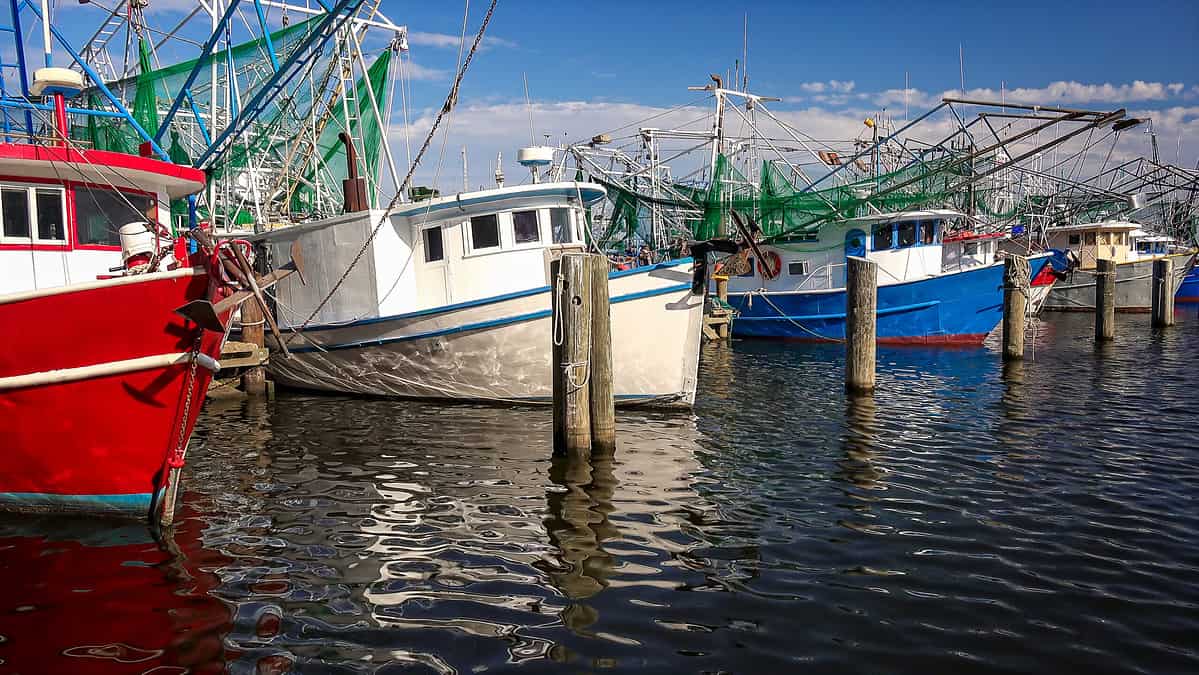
(761, 292)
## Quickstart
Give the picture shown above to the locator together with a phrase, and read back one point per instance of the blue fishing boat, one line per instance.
(1188, 290)
(925, 296)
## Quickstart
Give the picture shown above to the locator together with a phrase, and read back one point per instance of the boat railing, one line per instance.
(823, 273)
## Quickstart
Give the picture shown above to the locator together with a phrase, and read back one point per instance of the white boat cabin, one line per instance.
(438, 252)
(905, 245)
(61, 210)
(1146, 245)
(969, 249)
(1109, 240)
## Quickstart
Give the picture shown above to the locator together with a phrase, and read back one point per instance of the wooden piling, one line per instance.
(861, 298)
(253, 379)
(571, 321)
(1015, 306)
(602, 398)
(722, 292)
(1163, 292)
(1105, 300)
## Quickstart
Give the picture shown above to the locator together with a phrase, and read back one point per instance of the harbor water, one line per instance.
(969, 517)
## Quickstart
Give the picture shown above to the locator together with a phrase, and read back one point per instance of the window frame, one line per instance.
(31, 216)
(875, 231)
(424, 244)
(155, 203)
(898, 237)
(805, 268)
(570, 226)
(536, 243)
(933, 225)
(469, 238)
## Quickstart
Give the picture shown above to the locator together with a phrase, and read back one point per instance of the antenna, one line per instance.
(745, 54)
(529, 107)
(907, 87)
(465, 175)
(46, 33)
(962, 66)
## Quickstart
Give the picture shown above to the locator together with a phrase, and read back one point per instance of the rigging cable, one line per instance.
(450, 102)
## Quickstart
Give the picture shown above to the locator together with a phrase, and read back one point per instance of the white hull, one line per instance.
(498, 349)
(1037, 296)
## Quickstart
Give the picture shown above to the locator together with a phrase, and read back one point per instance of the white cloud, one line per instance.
(447, 41)
(1077, 92)
(829, 112)
(490, 128)
(831, 86)
(415, 71)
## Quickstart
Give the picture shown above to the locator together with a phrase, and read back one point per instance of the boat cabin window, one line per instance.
(35, 214)
(434, 246)
(51, 216)
(100, 213)
(928, 232)
(484, 232)
(14, 203)
(525, 229)
(907, 234)
(560, 224)
(1075, 239)
(882, 237)
(970, 248)
(1090, 238)
(797, 268)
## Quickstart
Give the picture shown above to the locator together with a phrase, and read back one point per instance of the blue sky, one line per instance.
(594, 67)
(597, 66)
(649, 52)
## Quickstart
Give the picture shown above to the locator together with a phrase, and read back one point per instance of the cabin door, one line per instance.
(855, 244)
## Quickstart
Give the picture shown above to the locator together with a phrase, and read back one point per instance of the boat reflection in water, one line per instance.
(469, 547)
(102, 596)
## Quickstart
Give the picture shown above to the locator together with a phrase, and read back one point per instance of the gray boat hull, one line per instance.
(1134, 286)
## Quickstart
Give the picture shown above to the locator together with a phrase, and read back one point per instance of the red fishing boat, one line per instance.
(101, 379)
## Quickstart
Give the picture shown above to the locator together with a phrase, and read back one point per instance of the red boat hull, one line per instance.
(96, 440)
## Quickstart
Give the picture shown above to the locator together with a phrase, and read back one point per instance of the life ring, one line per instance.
(772, 265)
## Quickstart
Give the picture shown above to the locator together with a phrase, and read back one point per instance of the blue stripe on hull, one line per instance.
(137, 504)
(463, 328)
(959, 304)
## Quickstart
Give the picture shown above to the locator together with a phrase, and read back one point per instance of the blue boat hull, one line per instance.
(955, 308)
(134, 504)
(1188, 290)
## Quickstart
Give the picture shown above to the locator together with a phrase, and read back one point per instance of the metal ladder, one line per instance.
(96, 51)
(349, 93)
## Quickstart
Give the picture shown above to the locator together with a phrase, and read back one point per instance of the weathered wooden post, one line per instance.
(722, 293)
(571, 327)
(1015, 306)
(1163, 292)
(253, 380)
(861, 297)
(1105, 300)
(602, 398)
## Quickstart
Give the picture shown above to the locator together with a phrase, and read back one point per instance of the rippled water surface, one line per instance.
(967, 518)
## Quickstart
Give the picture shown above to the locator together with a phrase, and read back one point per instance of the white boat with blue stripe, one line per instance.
(453, 301)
